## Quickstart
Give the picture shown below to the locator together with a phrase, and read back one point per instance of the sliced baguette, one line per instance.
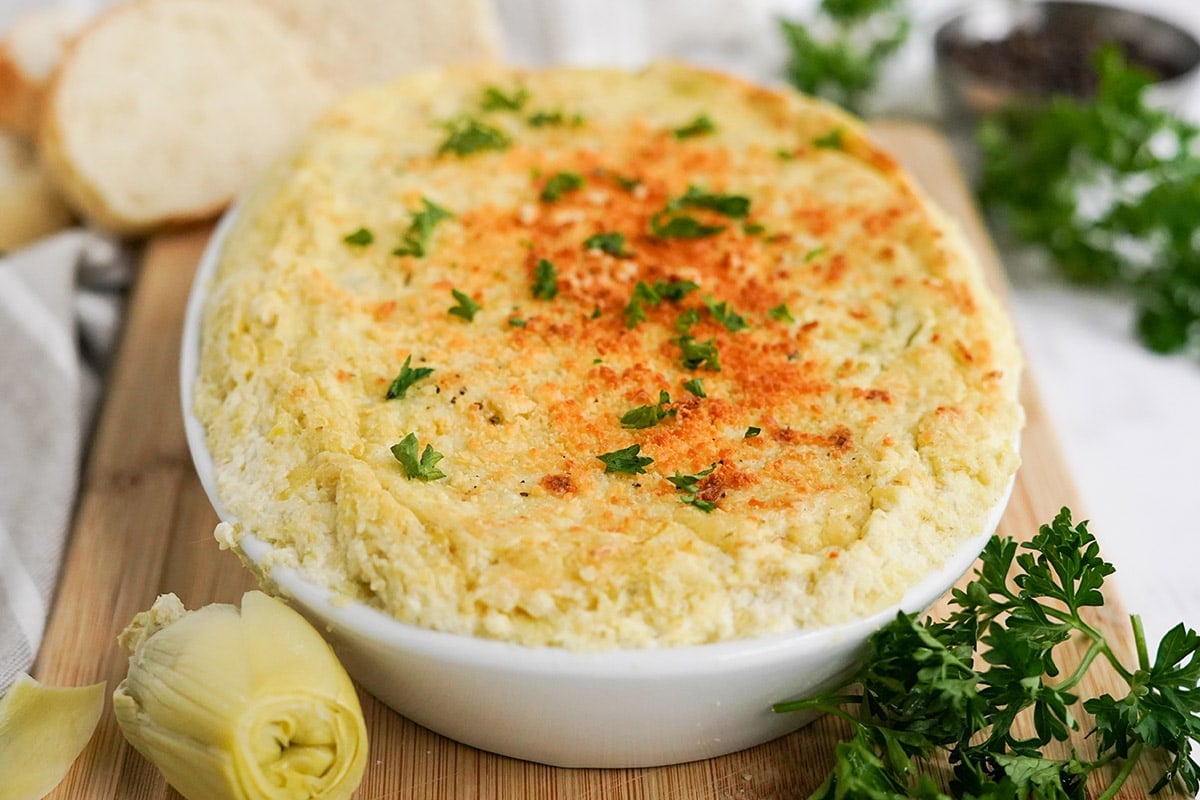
(30, 208)
(29, 53)
(162, 110)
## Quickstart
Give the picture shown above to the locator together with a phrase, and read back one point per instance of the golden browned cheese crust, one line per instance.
(858, 428)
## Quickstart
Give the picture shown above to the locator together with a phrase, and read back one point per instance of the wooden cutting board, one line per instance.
(144, 526)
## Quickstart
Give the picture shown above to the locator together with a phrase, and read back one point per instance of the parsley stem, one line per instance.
(1131, 761)
(1096, 649)
(830, 703)
(1139, 639)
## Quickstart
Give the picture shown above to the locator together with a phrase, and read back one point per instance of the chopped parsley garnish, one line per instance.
(610, 242)
(543, 119)
(751, 432)
(695, 354)
(494, 99)
(726, 316)
(699, 126)
(689, 485)
(686, 319)
(406, 378)
(729, 205)
(467, 135)
(830, 141)
(814, 254)
(781, 313)
(754, 228)
(661, 290)
(423, 467)
(696, 387)
(517, 322)
(626, 460)
(595, 312)
(545, 280)
(648, 416)
(628, 184)
(360, 237)
(466, 307)
(560, 184)
(681, 227)
(420, 229)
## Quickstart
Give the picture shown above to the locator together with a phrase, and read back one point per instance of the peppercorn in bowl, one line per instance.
(578, 403)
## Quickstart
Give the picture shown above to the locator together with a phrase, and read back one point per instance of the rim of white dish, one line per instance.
(387, 631)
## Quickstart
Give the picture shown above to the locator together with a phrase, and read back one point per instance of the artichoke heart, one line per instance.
(42, 731)
(240, 704)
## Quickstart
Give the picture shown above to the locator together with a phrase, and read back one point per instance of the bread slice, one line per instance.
(29, 53)
(30, 208)
(163, 109)
(371, 41)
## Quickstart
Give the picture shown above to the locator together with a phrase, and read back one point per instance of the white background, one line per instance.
(1129, 421)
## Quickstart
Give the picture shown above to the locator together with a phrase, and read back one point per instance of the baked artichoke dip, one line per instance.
(596, 359)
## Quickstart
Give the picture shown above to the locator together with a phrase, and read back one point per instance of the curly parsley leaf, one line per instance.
(406, 379)
(957, 687)
(780, 313)
(653, 294)
(464, 307)
(420, 229)
(611, 242)
(626, 460)
(545, 280)
(689, 485)
(695, 354)
(730, 205)
(361, 237)
(701, 125)
(648, 416)
(495, 99)
(546, 119)
(681, 226)
(559, 184)
(725, 315)
(422, 467)
(830, 141)
(467, 135)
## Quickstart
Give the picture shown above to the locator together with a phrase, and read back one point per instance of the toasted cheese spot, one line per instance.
(892, 388)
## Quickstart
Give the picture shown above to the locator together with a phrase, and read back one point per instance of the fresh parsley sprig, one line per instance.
(958, 686)
(841, 52)
(1110, 189)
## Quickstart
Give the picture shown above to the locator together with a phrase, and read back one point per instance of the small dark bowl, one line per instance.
(998, 52)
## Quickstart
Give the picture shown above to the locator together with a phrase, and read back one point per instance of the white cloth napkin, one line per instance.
(60, 311)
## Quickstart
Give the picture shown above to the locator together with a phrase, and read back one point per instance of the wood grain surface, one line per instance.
(143, 527)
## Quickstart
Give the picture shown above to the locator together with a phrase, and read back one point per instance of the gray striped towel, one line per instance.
(60, 309)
